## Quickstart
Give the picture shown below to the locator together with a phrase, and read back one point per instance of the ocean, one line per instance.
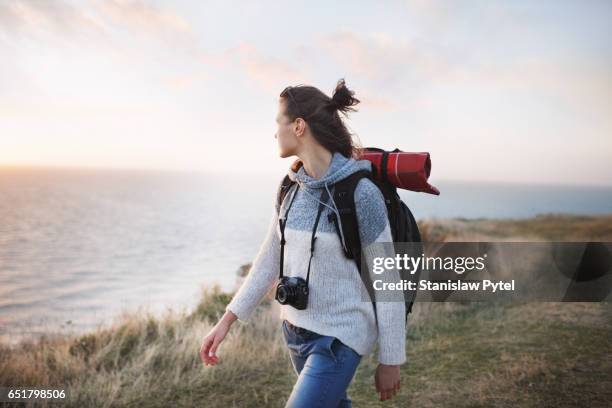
(78, 247)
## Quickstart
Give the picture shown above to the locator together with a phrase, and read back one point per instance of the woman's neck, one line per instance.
(316, 162)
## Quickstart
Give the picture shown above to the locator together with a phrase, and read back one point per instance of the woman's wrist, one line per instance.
(228, 318)
(388, 365)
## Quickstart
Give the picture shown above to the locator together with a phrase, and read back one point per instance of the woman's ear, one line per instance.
(300, 126)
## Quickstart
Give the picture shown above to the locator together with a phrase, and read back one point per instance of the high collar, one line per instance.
(339, 168)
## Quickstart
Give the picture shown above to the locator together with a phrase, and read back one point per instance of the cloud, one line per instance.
(400, 72)
(268, 73)
(143, 16)
(68, 110)
(39, 17)
(41, 20)
(357, 57)
(394, 73)
(386, 59)
(271, 74)
(185, 81)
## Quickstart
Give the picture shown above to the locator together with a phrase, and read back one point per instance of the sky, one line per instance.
(516, 91)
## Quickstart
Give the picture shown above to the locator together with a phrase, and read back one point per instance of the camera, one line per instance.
(292, 291)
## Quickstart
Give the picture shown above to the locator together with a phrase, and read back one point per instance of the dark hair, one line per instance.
(322, 115)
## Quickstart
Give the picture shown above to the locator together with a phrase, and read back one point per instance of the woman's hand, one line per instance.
(387, 380)
(214, 338)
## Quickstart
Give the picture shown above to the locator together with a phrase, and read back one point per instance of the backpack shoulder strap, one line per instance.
(348, 227)
(344, 197)
(283, 189)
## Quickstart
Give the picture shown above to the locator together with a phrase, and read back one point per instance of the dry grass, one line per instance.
(544, 227)
(478, 354)
(148, 361)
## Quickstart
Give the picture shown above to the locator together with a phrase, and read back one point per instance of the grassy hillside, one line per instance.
(460, 355)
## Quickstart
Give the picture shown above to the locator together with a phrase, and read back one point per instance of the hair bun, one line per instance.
(343, 99)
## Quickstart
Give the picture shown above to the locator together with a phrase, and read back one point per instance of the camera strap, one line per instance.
(282, 222)
(314, 229)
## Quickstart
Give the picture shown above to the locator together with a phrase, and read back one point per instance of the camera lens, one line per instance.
(281, 294)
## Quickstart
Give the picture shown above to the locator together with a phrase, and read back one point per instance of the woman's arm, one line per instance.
(374, 229)
(261, 276)
(259, 280)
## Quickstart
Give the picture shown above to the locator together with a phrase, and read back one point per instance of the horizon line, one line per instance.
(58, 167)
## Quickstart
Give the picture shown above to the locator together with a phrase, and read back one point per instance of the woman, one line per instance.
(327, 338)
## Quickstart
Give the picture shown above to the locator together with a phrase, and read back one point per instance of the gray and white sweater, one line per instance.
(338, 304)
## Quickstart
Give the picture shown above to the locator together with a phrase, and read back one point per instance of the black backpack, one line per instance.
(403, 225)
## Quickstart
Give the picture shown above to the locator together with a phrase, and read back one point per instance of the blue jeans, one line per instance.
(325, 368)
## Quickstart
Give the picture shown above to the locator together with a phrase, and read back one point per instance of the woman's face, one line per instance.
(286, 132)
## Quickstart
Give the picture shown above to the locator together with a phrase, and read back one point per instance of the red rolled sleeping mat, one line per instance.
(405, 170)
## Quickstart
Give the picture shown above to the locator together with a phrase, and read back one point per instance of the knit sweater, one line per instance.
(338, 304)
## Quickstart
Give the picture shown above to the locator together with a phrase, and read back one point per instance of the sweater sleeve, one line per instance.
(262, 275)
(374, 229)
